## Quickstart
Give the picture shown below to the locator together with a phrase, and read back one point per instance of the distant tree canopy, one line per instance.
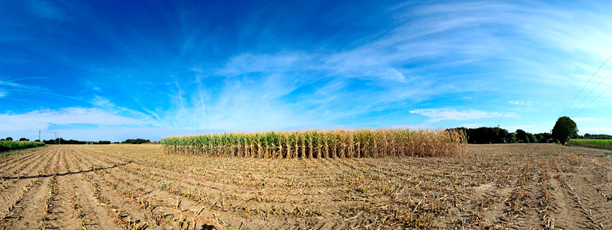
(522, 136)
(136, 141)
(23, 139)
(72, 142)
(9, 138)
(565, 129)
(486, 135)
(544, 137)
(597, 136)
(511, 138)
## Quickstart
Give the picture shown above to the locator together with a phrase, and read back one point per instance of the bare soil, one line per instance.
(19, 150)
(506, 186)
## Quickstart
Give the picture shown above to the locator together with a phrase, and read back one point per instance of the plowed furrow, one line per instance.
(14, 189)
(180, 201)
(13, 160)
(23, 173)
(264, 204)
(181, 209)
(596, 203)
(143, 203)
(63, 213)
(196, 178)
(91, 212)
(89, 153)
(112, 159)
(31, 210)
(15, 169)
(582, 215)
(125, 214)
(224, 201)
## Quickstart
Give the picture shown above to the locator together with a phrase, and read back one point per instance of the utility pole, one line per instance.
(38, 135)
(55, 137)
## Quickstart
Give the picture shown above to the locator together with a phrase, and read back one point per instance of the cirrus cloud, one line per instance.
(66, 116)
(436, 115)
(599, 119)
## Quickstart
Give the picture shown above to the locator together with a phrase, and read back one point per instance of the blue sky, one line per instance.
(114, 70)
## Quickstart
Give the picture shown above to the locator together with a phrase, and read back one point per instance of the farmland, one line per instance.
(516, 186)
(11, 145)
(322, 143)
(592, 143)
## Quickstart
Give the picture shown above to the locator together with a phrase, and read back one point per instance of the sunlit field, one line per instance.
(592, 143)
(140, 186)
(12, 145)
(322, 143)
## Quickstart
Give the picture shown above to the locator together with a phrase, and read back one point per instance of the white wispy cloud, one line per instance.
(383, 58)
(508, 54)
(417, 59)
(520, 103)
(66, 116)
(473, 125)
(597, 119)
(436, 115)
(238, 105)
(250, 63)
(107, 105)
(88, 116)
(114, 133)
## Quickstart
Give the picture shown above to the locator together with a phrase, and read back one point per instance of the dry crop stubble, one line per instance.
(343, 192)
(139, 186)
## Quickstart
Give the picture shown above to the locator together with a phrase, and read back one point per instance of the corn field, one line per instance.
(10, 145)
(593, 143)
(339, 143)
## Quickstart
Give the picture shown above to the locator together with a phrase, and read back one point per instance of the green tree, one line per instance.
(565, 129)
(136, 141)
(522, 135)
(532, 138)
(511, 138)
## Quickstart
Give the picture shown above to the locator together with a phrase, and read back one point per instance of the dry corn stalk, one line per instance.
(395, 142)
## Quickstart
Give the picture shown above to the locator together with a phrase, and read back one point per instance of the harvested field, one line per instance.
(516, 186)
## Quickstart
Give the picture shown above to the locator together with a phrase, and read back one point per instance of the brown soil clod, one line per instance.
(518, 186)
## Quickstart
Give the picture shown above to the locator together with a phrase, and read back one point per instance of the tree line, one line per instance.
(78, 142)
(597, 136)
(564, 130)
(68, 142)
(136, 141)
(490, 135)
(74, 142)
(20, 139)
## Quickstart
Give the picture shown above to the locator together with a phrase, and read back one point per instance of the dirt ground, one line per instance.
(506, 186)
